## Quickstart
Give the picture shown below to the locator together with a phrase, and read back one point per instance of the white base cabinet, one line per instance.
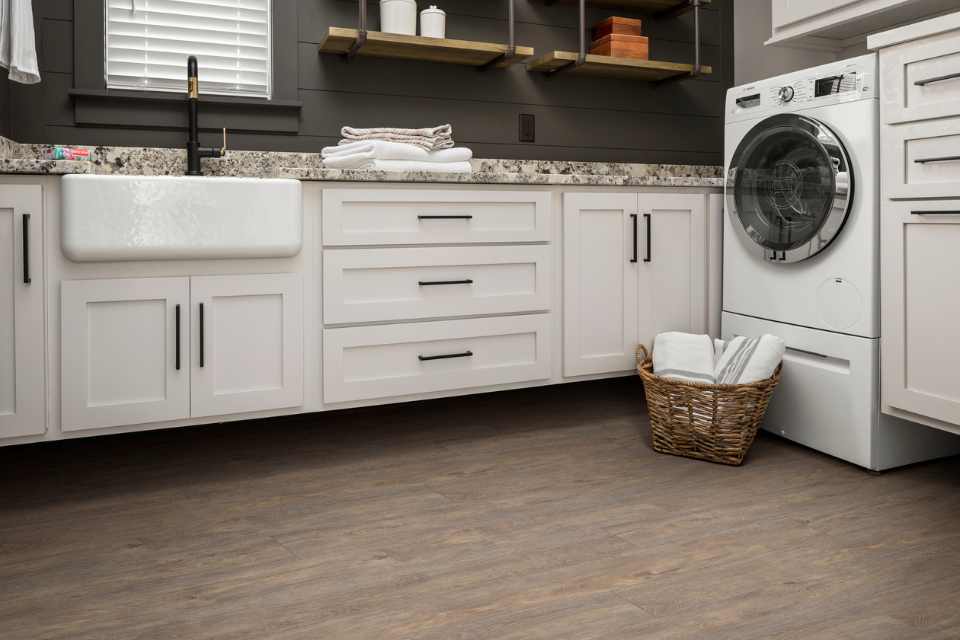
(140, 350)
(21, 312)
(634, 265)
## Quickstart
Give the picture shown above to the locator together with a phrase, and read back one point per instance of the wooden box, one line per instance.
(622, 46)
(616, 25)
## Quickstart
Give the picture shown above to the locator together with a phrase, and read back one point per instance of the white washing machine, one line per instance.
(802, 257)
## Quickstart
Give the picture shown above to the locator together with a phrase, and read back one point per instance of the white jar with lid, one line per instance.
(398, 16)
(433, 22)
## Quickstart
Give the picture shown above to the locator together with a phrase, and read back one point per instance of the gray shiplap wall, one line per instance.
(576, 118)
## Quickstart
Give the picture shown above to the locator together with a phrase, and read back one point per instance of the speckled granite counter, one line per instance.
(18, 158)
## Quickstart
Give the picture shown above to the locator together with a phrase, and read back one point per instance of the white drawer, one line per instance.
(403, 359)
(921, 160)
(921, 80)
(434, 216)
(375, 285)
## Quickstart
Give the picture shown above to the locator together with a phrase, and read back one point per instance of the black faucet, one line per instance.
(194, 150)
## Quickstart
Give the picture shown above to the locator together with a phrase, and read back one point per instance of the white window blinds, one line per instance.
(148, 41)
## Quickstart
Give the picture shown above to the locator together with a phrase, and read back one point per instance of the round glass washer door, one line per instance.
(790, 186)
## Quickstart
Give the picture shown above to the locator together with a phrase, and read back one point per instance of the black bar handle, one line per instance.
(445, 217)
(925, 82)
(26, 248)
(445, 356)
(936, 213)
(202, 359)
(636, 256)
(434, 283)
(177, 334)
(939, 159)
(649, 220)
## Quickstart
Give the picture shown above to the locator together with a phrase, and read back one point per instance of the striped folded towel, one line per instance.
(746, 360)
(430, 138)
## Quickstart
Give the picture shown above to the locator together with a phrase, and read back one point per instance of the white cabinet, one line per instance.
(837, 24)
(142, 350)
(21, 312)
(600, 276)
(634, 265)
(248, 341)
(673, 271)
(124, 352)
(921, 309)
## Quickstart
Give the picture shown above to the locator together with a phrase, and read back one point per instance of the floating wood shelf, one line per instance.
(391, 45)
(650, 70)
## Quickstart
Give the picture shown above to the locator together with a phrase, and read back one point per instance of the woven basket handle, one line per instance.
(642, 354)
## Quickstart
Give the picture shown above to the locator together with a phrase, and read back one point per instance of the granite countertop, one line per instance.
(16, 158)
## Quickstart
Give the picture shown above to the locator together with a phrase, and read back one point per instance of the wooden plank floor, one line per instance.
(534, 514)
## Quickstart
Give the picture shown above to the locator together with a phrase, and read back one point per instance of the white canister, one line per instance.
(433, 22)
(398, 16)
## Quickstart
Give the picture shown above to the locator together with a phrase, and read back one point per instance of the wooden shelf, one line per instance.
(650, 70)
(652, 6)
(391, 45)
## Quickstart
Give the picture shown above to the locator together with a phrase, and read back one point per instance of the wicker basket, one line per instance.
(715, 422)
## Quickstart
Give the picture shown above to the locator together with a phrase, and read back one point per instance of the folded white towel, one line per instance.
(386, 150)
(683, 356)
(747, 360)
(718, 347)
(431, 138)
(366, 162)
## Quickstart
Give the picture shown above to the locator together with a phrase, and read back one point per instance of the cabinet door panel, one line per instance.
(119, 352)
(920, 346)
(21, 312)
(251, 342)
(600, 282)
(673, 272)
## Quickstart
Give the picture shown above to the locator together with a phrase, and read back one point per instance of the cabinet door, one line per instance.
(247, 352)
(21, 312)
(123, 352)
(599, 282)
(673, 264)
(920, 313)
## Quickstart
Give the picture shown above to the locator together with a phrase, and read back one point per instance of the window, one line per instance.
(148, 41)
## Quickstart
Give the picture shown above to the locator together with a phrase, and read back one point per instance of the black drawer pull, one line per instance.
(447, 217)
(26, 248)
(434, 283)
(202, 359)
(177, 333)
(936, 213)
(940, 159)
(633, 218)
(445, 356)
(649, 218)
(949, 76)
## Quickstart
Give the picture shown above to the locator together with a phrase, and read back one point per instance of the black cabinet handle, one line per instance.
(936, 213)
(177, 334)
(26, 248)
(925, 82)
(938, 159)
(201, 335)
(447, 217)
(434, 283)
(633, 218)
(649, 220)
(445, 356)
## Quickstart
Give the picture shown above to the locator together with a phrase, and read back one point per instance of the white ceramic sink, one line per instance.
(176, 218)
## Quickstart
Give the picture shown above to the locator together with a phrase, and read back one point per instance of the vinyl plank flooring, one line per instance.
(540, 513)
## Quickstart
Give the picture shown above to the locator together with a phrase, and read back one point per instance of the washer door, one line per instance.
(790, 185)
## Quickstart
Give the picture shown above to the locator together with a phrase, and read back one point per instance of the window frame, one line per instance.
(95, 104)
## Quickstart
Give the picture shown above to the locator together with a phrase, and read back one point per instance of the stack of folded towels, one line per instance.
(698, 358)
(387, 149)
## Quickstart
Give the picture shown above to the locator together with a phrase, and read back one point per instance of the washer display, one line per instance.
(790, 186)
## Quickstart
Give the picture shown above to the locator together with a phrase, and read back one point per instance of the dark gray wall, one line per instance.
(576, 118)
(4, 107)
